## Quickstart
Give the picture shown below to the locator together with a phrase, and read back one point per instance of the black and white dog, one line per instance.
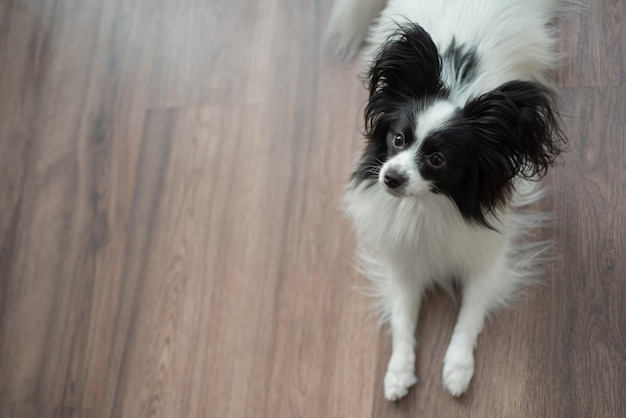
(460, 124)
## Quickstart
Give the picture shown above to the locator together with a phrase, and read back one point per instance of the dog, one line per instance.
(460, 124)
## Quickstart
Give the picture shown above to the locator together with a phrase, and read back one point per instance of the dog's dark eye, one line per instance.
(398, 140)
(437, 160)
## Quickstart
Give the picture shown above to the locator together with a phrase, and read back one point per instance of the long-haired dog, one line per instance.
(460, 124)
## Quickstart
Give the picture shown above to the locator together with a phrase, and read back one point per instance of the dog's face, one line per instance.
(420, 142)
(422, 151)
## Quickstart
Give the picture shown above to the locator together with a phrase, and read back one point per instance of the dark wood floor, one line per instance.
(172, 244)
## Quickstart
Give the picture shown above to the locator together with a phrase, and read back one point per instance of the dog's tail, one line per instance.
(348, 25)
(567, 7)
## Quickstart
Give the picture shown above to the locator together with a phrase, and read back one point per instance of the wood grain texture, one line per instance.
(592, 41)
(172, 242)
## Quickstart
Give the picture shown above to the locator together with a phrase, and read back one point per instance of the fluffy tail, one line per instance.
(348, 24)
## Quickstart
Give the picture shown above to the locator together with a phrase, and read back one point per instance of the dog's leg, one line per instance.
(480, 296)
(404, 303)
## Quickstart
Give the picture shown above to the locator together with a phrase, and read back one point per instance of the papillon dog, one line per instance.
(460, 124)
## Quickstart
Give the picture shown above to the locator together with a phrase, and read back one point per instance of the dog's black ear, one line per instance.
(406, 67)
(515, 131)
(519, 121)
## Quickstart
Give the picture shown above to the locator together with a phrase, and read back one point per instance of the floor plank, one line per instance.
(172, 242)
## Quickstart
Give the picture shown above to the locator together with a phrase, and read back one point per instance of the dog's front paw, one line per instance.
(398, 382)
(458, 370)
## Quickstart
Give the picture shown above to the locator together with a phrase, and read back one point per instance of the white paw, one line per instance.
(398, 382)
(458, 370)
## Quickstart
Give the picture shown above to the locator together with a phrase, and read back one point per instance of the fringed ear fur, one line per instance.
(519, 121)
(512, 131)
(407, 67)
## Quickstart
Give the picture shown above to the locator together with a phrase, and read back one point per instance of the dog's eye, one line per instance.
(437, 160)
(398, 140)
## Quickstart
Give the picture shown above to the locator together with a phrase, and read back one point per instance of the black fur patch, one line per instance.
(463, 61)
(511, 131)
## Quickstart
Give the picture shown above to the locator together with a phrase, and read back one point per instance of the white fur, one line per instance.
(432, 118)
(409, 244)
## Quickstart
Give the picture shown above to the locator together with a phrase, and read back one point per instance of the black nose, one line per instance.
(395, 179)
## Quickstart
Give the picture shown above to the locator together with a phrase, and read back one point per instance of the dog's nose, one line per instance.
(395, 179)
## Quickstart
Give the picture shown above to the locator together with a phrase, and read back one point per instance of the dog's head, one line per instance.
(420, 142)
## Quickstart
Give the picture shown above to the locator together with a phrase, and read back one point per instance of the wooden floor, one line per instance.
(172, 243)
